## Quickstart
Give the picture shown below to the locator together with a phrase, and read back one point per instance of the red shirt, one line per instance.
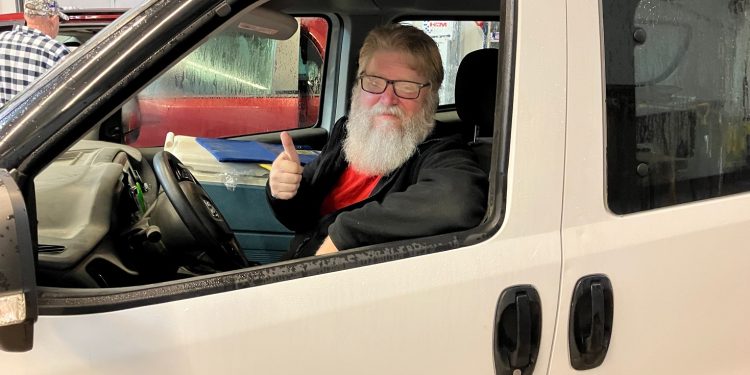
(352, 187)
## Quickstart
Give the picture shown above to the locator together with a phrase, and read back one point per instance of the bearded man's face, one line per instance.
(383, 130)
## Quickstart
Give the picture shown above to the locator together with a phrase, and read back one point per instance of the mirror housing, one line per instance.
(18, 298)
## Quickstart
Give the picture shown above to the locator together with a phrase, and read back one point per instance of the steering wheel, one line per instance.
(198, 212)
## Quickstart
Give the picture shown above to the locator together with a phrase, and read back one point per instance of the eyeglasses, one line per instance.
(402, 89)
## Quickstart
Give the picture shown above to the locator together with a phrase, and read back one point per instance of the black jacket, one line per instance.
(440, 189)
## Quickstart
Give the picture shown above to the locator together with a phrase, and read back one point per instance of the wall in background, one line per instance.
(99, 3)
(8, 6)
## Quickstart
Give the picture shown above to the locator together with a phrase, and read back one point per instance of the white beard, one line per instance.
(379, 149)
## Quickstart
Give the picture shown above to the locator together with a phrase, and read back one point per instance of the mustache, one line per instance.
(381, 109)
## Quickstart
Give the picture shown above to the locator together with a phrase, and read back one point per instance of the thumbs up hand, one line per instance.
(286, 171)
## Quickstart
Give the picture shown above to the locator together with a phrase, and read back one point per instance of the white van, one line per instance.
(616, 136)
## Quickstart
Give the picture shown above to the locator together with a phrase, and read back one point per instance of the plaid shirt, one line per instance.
(25, 54)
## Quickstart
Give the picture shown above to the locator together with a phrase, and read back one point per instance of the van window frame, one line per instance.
(61, 301)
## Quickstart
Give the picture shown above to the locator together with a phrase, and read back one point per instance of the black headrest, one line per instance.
(476, 84)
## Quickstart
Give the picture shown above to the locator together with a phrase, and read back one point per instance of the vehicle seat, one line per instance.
(476, 84)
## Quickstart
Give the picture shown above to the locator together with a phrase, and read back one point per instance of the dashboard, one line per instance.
(88, 200)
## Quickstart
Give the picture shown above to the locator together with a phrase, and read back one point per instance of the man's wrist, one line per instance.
(327, 247)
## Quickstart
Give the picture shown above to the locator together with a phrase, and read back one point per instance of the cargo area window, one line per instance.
(677, 101)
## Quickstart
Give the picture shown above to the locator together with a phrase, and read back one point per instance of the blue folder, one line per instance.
(227, 150)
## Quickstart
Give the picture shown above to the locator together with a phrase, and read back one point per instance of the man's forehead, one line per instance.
(394, 62)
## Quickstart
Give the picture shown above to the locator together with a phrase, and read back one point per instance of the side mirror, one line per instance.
(128, 124)
(111, 129)
(18, 298)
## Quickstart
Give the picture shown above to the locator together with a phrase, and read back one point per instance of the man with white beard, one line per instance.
(383, 176)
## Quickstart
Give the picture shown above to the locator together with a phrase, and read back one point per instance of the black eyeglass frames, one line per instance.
(402, 89)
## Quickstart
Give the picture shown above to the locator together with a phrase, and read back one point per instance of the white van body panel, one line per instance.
(432, 313)
(679, 273)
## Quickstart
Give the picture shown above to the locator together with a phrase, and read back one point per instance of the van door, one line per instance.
(424, 306)
(656, 213)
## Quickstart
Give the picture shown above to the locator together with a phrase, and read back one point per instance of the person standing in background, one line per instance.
(27, 52)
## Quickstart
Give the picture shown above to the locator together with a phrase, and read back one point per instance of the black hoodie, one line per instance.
(439, 189)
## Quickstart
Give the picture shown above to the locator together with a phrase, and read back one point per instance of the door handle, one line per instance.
(518, 322)
(590, 327)
(520, 356)
(595, 340)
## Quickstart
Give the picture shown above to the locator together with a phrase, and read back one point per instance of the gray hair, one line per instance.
(406, 39)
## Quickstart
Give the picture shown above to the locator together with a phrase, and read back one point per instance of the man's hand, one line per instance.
(327, 247)
(286, 171)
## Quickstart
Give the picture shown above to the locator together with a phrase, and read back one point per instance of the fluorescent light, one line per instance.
(217, 72)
